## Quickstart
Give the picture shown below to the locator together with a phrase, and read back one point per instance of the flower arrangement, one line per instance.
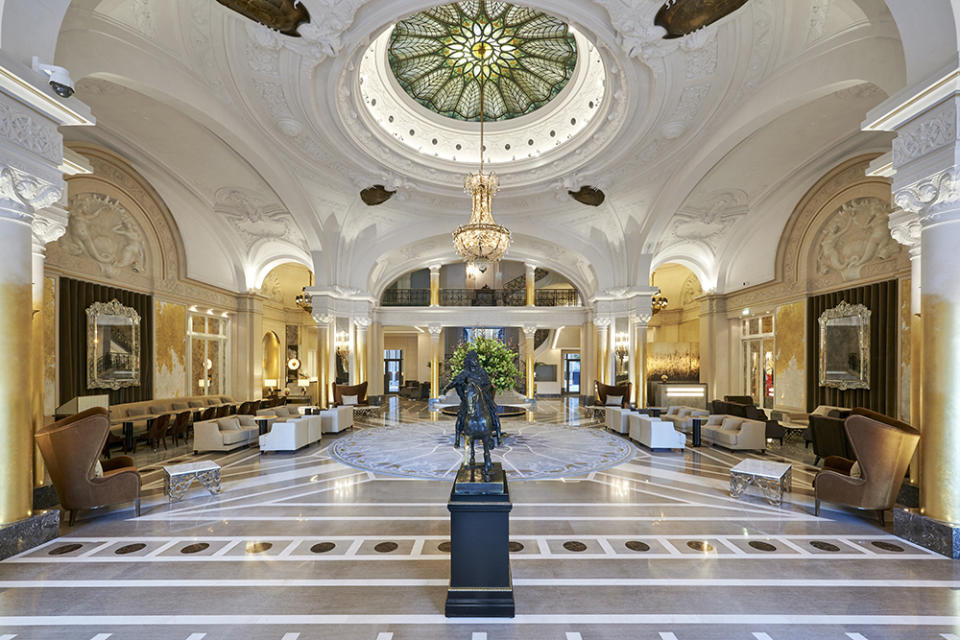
(496, 358)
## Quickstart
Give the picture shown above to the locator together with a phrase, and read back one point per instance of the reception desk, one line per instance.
(687, 394)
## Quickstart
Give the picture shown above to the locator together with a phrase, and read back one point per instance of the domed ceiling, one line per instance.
(459, 58)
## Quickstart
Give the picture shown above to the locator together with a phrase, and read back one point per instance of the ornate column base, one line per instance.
(939, 537)
(28, 533)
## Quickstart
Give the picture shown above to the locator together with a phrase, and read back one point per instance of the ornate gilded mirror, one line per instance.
(113, 346)
(845, 347)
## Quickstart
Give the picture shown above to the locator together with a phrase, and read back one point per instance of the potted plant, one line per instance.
(497, 359)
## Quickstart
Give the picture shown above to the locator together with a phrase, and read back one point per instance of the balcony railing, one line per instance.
(480, 298)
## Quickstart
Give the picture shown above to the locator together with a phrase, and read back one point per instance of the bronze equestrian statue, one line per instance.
(475, 373)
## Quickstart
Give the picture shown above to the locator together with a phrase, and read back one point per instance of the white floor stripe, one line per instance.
(290, 636)
(196, 636)
(8, 636)
(101, 636)
(573, 635)
(856, 636)
(281, 583)
(666, 635)
(478, 635)
(384, 635)
(436, 619)
(761, 636)
(945, 636)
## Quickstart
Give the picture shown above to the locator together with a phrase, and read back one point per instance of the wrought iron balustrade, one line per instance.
(480, 298)
(406, 298)
(557, 298)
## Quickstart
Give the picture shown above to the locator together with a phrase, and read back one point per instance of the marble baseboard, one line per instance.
(909, 496)
(45, 497)
(28, 533)
(940, 537)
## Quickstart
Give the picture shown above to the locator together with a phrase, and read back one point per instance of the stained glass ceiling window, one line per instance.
(522, 57)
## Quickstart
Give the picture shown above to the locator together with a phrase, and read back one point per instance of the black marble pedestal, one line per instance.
(941, 537)
(697, 425)
(28, 533)
(480, 582)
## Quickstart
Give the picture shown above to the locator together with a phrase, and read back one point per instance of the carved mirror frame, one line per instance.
(855, 315)
(107, 314)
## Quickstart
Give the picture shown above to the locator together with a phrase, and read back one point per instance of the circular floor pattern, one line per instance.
(574, 546)
(887, 546)
(824, 546)
(530, 451)
(322, 547)
(197, 547)
(66, 548)
(515, 547)
(762, 546)
(444, 547)
(386, 547)
(698, 545)
(636, 545)
(258, 547)
(130, 548)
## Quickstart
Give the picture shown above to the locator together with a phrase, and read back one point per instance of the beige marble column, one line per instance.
(361, 326)
(435, 285)
(530, 275)
(603, 340)
(436, 331)
(529, 348)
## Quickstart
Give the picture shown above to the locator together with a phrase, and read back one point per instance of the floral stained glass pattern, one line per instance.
(520, 56)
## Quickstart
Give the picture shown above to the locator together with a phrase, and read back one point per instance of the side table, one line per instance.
(772, 478)
(177, 478)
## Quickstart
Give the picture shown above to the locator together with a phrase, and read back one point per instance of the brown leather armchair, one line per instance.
(604, 390)
(70, 448)
(883, 447)
(359, 390)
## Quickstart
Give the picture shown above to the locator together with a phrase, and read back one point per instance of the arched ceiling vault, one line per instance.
(674, 115)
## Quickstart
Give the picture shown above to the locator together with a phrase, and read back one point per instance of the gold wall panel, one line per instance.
(790, 366)
(903, 402)
(170, 364)
(679, 361)
(50, 403)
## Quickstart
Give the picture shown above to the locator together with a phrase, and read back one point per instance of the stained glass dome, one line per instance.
(522, 57)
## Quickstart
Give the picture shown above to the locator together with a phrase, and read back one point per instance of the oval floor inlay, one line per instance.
(322, 547)
(444, 546)
(762, 546)
(824, 546)
(196, 547)
(575, 546)
(525, 453)
(66, 548)
(130, 548)
(636, 545)
(258, 547)
(887, 546)
(515, 547)
(699, 545)
(386, 547)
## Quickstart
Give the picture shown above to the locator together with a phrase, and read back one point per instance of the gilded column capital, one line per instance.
(435, 331)
(323, 319)
(603, 322)
(363, 323)
(529, 331)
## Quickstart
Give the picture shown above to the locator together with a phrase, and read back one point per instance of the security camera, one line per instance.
(59, 77)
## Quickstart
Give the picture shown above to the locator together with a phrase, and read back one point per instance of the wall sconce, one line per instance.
(622, 346)
(343, 344)
(203, 383)
(658, 303)
(303, 382)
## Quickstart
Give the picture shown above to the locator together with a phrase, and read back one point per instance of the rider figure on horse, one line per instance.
(473, 372)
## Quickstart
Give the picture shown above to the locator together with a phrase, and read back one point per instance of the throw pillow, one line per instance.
(195, 404)
(349, 400)
(178, 406)
(855, 471)
(614, 401)
(730, 424)
(98, 470)
(155, 409)
(231, 423)
(135, 411)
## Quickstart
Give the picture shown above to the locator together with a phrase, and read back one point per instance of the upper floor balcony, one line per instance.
(484, 297)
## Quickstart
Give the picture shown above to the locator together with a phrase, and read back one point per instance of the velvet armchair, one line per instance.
(622, 390)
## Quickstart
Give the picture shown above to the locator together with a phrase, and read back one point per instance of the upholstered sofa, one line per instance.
(289, 435)
(682, 417)
(294, 413)
(654, 432)
(336, 419)
(734, 432)
(139, 412)
(616, 419)
(224, 434)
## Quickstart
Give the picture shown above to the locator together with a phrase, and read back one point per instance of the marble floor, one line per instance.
(301, 546)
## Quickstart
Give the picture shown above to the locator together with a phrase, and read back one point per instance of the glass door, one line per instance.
(571, 373)
(392, 370)
(758, 370)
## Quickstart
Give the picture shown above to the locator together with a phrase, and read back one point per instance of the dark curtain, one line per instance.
(881, 300)
(75, 297)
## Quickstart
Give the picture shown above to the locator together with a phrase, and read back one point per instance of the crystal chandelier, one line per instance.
(481, 241)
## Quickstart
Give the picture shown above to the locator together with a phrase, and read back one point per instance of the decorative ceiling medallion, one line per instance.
(285, 16)
(441, 55)
(683, 17)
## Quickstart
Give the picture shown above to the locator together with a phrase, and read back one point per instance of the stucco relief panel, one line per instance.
(854, 236)
(790, 356)
(103, 230)
(170, 340)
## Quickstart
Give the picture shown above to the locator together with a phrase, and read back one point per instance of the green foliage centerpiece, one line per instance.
(497, 359)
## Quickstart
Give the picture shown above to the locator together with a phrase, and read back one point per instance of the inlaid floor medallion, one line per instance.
(636, 545)
(258, 547)
(762, 546)
(386, 547)
(67, 548)
(824, 546)
(698, 545)
(530, 451)
(887, 546)
(130, 548)
(444, 547)
(574, 546)
(515, 547)
(322, 547)
(195, 548)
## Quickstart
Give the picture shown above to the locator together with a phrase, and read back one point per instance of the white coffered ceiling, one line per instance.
(260, 143)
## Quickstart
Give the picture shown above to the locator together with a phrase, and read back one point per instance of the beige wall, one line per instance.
(790, 373)
(170, 347)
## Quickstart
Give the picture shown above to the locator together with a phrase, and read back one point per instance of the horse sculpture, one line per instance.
(475, 373)
(477, 424)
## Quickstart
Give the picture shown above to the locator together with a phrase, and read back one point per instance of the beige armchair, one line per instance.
(70, 448)
(883, 447)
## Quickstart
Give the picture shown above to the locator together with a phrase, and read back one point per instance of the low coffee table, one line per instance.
(772, 478)
(177, 478)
